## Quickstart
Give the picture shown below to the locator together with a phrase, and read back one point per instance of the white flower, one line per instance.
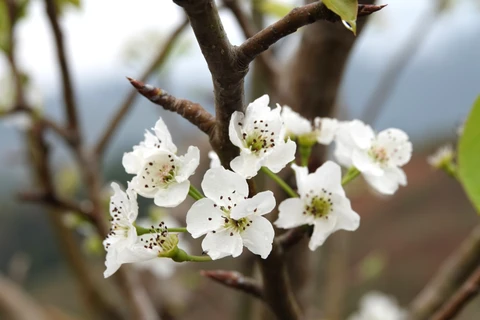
(214, 160)
(378, 306)
(378, 157)
(442, 156)
(162, 268)
(298, 127)
(124, 211)
(229, 219)
(160, 173)
(322, 203)
(260, 135)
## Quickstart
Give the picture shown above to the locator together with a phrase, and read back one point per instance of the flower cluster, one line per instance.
(229, 215)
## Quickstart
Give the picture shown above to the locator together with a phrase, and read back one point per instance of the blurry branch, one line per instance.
(463, 295)
(392, 75)
(127, 103)
(235, 280)
(191, 111)
(17, 304)
(266, 60)
(291, 237)
(454, 271)
(68, 94)
(52, 200)
(297, 18)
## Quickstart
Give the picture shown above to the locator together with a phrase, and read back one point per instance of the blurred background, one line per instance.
(415, 66)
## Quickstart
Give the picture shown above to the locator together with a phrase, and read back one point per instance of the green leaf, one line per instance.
(347, 10)
(274, 8)
(469, 155)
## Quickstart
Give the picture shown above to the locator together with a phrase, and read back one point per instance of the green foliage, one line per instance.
(469, 155)
(19, 12)
(274, 8)
(62, 4)
(347, 10)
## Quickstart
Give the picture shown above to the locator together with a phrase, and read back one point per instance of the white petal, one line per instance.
(132, 162)
(290, 214)
(396, 143)
(327, 129)
(361, 133)
(235, 128)
(321, 230)
(389, 182)
(203, 217)
(347, 219)
(366, 164)
(173, 195)
(222, 243)
(281, 155)
(343, 148)
(328, 176)
(190, 160)
(258, 237)
(111, 264)
(295, 124)
(163, 135)
(260, 204)
(218, 184)
(214, 160)
(301, 174)
(246, 165)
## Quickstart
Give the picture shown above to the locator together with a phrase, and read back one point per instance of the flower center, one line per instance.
(160, 240)
(320, 205)
(378, 154)
(159, 173)
(236, 225)
(260, 138)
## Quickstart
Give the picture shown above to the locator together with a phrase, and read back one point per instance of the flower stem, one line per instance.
(142, 230)
(194, 193)
(451, 169)
(177, 229)
(280, 182)
(351, 174)
(182, 256)
(305, 152)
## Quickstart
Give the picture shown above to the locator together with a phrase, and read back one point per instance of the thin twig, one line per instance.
(235, 280)
(294, 20)
(191, 111)
(68, 93)
(454, 271)
(466, 293)
(127, 103)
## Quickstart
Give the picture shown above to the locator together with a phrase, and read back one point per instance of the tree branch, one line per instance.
(191, 111)
(294, 20)
(126, 105)
(235, 280)
(228, 76)
(455, 270)
(68, 94)
(456, 303)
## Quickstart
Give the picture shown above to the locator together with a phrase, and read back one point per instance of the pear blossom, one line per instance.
(161, 268)
(124, 212)
(322, 203)
(229, 218)
(378, 306)
(214, 160)
(298, 127)
(444, 155)
(260, 135)
(159, 173)
(377, 156)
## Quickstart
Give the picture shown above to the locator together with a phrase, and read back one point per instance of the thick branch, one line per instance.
(465, 294)
(294, 20)
(228, 76)
(454, 271)
(235, 280)
(68, 95)
(126, 105)
(191, 111)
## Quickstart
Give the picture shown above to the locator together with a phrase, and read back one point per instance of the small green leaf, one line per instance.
(347, 10)
(469, 156)
(274, 8)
